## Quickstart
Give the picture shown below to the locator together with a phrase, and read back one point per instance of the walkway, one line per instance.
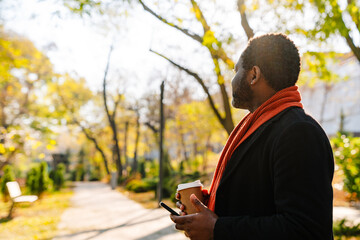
(97, 212)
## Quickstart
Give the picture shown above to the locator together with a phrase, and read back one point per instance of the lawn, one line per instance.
(38, 220)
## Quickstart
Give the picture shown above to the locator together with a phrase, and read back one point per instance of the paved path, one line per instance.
(97, 212)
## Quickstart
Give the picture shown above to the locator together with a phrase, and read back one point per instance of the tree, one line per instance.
(332, 18)
(69, 97)
(23, 70)
(111, 116)
(136, 109)
(82, 6)
(218, 54)
(347, 156)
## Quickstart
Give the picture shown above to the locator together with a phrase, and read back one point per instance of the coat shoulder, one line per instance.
(293, 117)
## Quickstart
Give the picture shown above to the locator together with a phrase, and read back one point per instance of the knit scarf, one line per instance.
(280, 101)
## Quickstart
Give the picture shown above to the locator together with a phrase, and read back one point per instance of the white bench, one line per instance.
(17, 197)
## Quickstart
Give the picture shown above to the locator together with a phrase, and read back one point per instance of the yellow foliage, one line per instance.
(36, 145)
(49, 147)
(209, 39)
(221, 80)
(2, 149)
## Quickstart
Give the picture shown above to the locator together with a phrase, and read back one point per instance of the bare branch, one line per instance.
(228, 123)
(97, 146)
(183, 30)
(244, 22)
(354, 49)
(104, 85)
(152, 127)
(117, 102)
(200, 81)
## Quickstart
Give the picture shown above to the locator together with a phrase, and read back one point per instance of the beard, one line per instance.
(242, 94)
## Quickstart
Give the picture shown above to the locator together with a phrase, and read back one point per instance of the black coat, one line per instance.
(277, 184)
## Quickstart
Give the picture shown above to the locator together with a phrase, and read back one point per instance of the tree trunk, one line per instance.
(186, 157)
(205, 159)
(125, 144)
(111, 117)
(161, 155)
(137, 138)
(327, 88)
(97, 146)
(228, 121)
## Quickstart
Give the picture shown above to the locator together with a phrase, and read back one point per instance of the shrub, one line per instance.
(136, 186)
(32, 180)
(347, 156)
(80, 172)
(43, 178)
(145, 185)
(57, 176)
(37, 179)
(7, 177)
(343, 229)
(95, 174)
(151, 183)
(141, 169)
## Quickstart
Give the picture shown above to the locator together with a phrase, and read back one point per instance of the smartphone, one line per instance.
(168, 208)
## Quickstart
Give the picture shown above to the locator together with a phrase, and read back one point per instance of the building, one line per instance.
(336, 105)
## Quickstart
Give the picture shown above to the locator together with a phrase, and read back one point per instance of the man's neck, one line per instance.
(260, 98)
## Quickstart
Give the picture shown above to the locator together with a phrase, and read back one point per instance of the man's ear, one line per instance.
(255, 75)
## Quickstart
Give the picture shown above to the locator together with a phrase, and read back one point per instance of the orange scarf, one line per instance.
(283, 99)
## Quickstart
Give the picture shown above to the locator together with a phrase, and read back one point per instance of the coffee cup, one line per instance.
(185, 190)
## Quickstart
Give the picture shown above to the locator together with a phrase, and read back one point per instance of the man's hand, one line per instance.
(198, 226)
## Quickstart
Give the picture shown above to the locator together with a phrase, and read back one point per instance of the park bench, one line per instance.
(17, 197)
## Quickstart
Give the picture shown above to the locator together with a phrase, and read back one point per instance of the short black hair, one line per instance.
(276, 56)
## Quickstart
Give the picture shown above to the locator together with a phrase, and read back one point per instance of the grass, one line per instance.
(38, 220)
(146, 199)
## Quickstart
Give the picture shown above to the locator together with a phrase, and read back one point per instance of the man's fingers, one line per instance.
(182, 219)
(177, 196)
(180, 206)
(197, 203)
(179, 226)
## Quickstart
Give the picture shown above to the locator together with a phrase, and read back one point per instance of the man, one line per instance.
(273, 179)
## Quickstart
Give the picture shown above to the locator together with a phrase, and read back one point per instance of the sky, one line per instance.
(76, 45)
(81, 45)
